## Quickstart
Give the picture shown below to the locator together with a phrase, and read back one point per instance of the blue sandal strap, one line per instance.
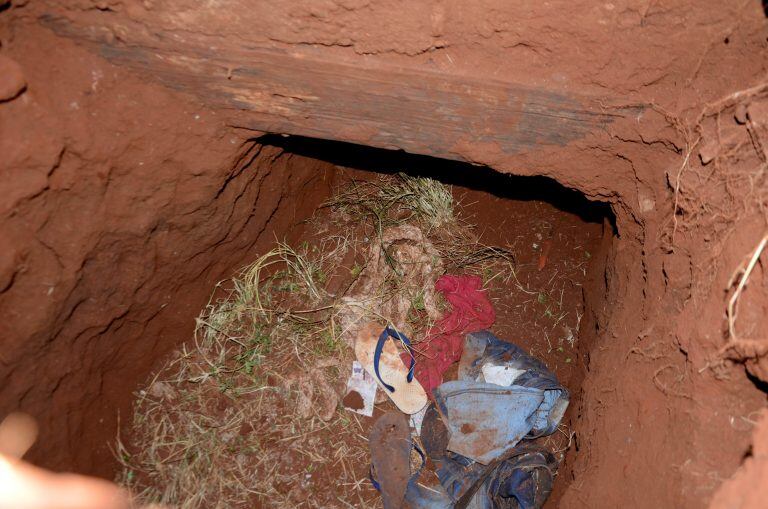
(386, 334)
(407, 343)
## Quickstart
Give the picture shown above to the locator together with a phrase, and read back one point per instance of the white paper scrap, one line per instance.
(361, 391)
(416, 420)
(501, 375)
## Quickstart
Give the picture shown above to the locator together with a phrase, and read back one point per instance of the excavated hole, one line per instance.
(560, 242)
(534, 216)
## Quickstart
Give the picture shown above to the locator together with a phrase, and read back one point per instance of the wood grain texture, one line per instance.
(417, 111)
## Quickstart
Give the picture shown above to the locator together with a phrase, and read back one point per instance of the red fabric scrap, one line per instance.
(471, 311)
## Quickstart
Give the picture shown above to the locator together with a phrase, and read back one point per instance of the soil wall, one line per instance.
(122, 206)
(115, 191)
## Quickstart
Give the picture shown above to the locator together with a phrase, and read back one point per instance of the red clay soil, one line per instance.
(122, 206)
(123, 201)
(739, 491)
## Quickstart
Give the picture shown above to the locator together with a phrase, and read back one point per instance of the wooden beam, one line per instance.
(418, 111)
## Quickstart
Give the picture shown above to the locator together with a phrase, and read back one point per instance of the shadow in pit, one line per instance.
(479, 178)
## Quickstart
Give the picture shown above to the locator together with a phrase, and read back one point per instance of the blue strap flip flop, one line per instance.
(387, 333)
(381, 358)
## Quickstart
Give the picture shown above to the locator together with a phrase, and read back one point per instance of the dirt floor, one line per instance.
(131, 186)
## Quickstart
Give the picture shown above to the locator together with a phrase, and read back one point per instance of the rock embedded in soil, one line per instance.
(12, 81)
(738, 492)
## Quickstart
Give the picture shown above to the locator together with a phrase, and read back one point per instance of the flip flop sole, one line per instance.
(409, 397)
(390, 443)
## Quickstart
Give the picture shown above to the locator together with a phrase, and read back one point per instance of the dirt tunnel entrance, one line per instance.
(616, 198)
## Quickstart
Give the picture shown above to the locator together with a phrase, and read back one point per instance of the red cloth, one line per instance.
(471, 311)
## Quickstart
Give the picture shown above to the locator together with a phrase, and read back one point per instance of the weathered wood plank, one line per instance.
(421, 112)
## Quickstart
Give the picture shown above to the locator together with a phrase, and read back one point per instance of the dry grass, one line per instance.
(247, 413)
(744, 272)
(392, 200)
(559, 442)
(259, 373)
